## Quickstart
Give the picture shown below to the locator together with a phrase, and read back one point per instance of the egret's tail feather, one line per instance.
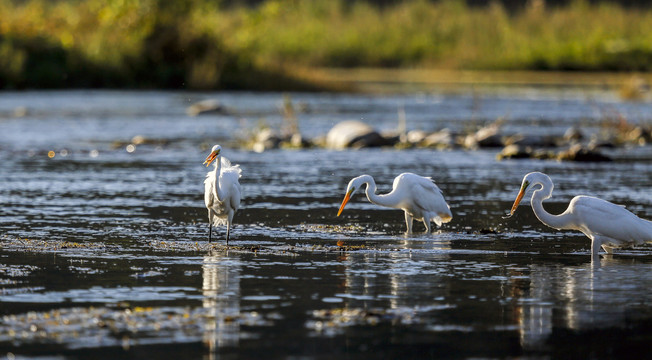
(220, 220)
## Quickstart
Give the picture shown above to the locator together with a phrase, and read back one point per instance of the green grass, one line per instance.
(197, 44)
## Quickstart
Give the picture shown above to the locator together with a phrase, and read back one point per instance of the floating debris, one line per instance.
(348, 247)
(332, 228)
(18, 244)
(106, 326)
(204, 246)
(160, 245)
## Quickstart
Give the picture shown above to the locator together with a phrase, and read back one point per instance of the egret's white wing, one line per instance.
(229, 180)
(425, 194)
(602, 217)
(209, 185)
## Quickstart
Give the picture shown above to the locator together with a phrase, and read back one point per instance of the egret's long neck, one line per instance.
(382, 200)
(558, 222)
(217, 171)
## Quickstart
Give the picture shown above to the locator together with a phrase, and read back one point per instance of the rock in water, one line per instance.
(208, 106)
(514, 152)
(354, 134)
(580, 153)
(488, 136)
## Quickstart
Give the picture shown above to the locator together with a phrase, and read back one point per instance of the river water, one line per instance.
(104, 253)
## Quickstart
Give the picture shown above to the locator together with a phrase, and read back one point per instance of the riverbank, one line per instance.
(628, 85)
(200, 45)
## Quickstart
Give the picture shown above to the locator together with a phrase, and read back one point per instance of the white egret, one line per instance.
(418, 196)
(606, 224)
(222, 191)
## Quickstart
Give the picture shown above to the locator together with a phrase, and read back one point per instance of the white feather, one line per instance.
(416, 195)
(222, 192)
(607, 225)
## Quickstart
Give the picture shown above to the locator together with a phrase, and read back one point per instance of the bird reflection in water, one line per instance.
(398, 278)
(221, 290)
(580, 297)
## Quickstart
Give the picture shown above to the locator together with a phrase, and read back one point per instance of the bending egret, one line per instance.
(606, 224)
(222, 191)
(418, 196)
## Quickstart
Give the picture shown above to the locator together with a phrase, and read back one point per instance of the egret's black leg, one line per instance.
(210, 231)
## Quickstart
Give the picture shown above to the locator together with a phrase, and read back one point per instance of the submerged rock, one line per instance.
(296, 141)
(209, 106)
(525, 152)
(488, 136)
(514, 152)
(537, 141)
(416, 136)
(636, 135)
(583, 154)
(442, 139)
(574, 153)
(355, 134)
(573, 134)
(266, 139)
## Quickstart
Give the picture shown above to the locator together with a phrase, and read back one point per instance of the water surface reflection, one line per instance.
(300, 281)
(582, 297)
(221, 299)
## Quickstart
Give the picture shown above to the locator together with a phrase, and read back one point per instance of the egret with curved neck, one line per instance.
(607, 225)
(416, 195)
(222, 191)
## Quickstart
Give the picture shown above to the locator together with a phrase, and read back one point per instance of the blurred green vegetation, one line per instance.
(199, 44)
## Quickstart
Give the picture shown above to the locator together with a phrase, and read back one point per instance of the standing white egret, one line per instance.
(222, 191)
(606, 224)
(418, 196)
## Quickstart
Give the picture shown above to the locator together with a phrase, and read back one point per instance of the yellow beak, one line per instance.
(346, 200)
(210, 158)
(518, 200)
